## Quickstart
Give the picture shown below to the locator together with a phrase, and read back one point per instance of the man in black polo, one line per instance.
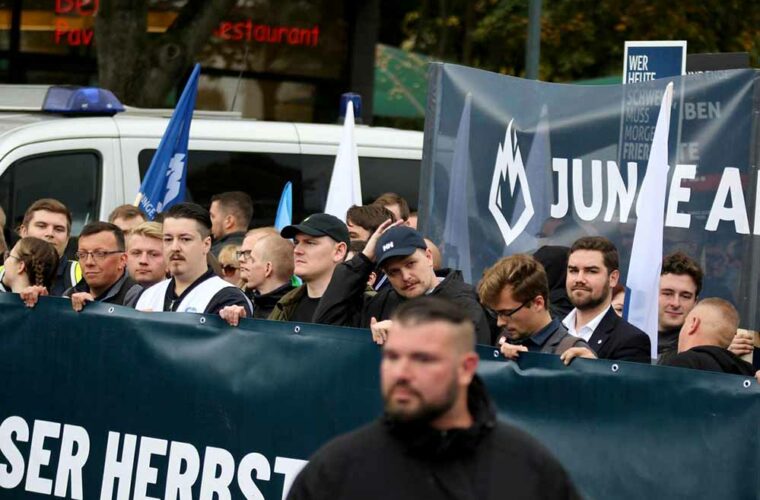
(439, 437)
(101, 253)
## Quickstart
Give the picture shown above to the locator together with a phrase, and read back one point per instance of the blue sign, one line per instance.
(647, 61)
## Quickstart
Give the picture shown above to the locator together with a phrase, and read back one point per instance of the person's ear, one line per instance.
(614, 277)
(268, 269)
(122, 261)
(206, 245)
(467, 368)
(341, 249)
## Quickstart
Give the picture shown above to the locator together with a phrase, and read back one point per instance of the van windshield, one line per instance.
(263, 175)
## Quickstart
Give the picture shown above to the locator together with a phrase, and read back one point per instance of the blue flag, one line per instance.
(164, 183)
(284, 215)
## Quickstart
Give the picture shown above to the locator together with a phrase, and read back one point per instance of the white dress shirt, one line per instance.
(586, 330)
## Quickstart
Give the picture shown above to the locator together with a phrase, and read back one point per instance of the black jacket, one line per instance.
(711, 358)
(263, 304)
(124, 292)
(617, 339)
(345, 303)
(387, 460)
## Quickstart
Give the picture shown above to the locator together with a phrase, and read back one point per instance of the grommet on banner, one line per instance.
(747, 384)
(614, 367)
(202, 320)
(297, 329)
(496, 354)
(111, 310)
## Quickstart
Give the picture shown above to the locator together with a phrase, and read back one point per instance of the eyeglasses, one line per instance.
(243, 255)
(229, 270)
(7, 255)
(97, 255)
(508, 313)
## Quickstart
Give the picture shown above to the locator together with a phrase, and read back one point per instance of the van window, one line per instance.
(383, 175)
(71, 177)
(263, 175)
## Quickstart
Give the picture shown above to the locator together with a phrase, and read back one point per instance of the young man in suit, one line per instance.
(592, 272)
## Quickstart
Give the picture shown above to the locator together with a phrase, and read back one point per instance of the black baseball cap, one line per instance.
(398, 241)
(319, 225)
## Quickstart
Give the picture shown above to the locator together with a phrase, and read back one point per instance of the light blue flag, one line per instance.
(646, 254)
(456, 230)
(165, 182)
(284, 215)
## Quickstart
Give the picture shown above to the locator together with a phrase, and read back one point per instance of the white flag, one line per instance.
(646, 255)
(345, 183)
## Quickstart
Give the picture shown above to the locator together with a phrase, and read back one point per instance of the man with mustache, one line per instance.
(402, 254)
(193, 287)
(439, 436)
(592, 272)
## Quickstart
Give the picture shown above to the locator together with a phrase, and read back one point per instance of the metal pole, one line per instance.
(533, 45)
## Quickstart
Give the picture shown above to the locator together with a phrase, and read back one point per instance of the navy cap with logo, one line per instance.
(398, 241)
(319, 225)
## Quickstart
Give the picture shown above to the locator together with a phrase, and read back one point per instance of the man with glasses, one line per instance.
(101, 253)
(517, 291)
(193, 287)
(266, 267)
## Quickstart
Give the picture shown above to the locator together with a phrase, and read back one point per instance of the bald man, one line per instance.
(266, 265)
(704, 339)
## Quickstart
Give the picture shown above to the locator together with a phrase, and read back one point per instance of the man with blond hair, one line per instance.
(126, 217)
(704, 339)
(145, 254)
(516, 290)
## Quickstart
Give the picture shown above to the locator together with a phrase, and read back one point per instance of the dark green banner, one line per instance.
(111, 403)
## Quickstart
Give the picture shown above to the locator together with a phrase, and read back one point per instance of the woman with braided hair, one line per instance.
(31, 262)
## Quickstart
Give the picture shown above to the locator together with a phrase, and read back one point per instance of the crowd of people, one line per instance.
(562, 301)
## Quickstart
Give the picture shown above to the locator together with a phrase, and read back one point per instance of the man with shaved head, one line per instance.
(266, 266)
(439, 436)
(704, 339)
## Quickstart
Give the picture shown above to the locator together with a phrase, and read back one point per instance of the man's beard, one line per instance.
(591, 302)
(426, 412)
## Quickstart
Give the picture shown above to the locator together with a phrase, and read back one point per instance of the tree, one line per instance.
(142, 68)
(579, 38)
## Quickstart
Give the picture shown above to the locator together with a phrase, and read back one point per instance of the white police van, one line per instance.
(92, 158)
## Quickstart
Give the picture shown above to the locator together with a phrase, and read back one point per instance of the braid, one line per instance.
(39, 272)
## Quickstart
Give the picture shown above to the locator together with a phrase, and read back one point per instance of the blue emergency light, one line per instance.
(357, 100)
(73, 100)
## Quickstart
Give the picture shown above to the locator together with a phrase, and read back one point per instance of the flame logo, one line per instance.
(509, 167)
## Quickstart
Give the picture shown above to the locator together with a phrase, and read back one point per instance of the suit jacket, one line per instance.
(617, 339)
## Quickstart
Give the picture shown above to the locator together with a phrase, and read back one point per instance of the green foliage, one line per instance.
(579, 38)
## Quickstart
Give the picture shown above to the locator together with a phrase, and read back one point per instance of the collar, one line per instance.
(591, 326)
(228, 236)
(539, 338)
(172, 301)
(112, 291)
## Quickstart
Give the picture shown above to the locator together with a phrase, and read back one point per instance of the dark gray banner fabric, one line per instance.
(544, 163)
(112, 403)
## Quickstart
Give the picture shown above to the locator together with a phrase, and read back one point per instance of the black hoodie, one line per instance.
(345, 302)
(392, 460)
(711, 358)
